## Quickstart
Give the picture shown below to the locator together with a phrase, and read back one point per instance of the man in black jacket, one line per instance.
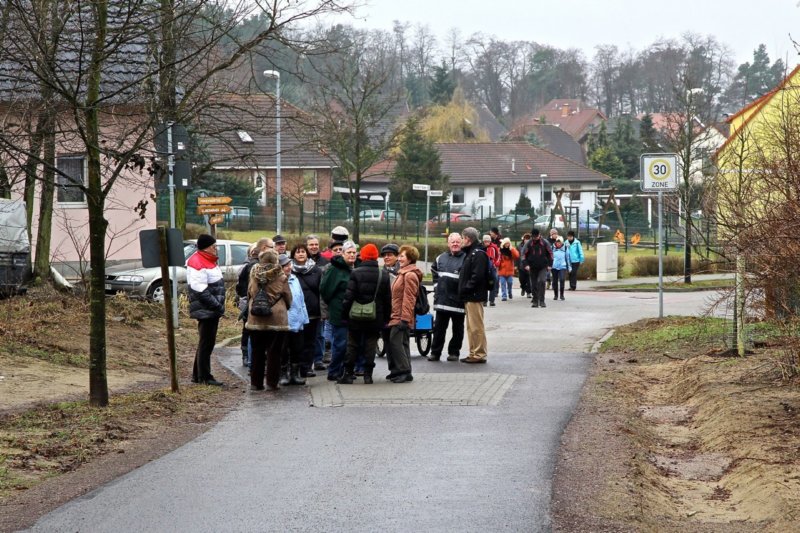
(537, 256)
(446, 301)
(473, 288)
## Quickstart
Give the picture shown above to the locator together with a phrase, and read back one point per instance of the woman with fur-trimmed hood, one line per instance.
(268, 333)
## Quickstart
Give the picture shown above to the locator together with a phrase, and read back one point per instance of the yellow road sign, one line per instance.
(214, 200)
(213, 209)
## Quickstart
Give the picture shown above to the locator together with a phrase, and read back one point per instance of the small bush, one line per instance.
(673, 266)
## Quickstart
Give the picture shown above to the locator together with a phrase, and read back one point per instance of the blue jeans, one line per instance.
(338, 351)
(319, 347)
(505, 285)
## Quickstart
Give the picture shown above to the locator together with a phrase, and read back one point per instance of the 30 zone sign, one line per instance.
(659, 172)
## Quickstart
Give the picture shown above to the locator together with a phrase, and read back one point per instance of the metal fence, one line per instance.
(409, 220)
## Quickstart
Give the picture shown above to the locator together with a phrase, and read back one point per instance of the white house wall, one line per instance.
(473, 201)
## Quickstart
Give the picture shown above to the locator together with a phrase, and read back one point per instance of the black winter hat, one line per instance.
(278, 239)
(390, 249)
(204, 241)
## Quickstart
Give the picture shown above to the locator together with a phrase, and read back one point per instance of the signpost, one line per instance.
(659, 173)
(428, 194)
(214, 206)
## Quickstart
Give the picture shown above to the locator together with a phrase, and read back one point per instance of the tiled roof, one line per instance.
(569, 114)
(559, 142)
(490, 124)
(219, 124)
(479, 163)
(125, 71)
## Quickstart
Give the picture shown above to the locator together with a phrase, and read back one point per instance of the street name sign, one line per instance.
(435, 193)
(420, 187)
(659, 172)
(216, 219)
(213, 209)
(214, 200)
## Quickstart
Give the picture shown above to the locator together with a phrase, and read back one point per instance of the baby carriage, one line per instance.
(422, 333)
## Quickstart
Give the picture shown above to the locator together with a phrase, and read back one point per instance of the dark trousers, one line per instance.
(361, 344)
(245, 336)
(267, 349)
(207, 331)
(558, 282)
(440, 330)
(300, 346)
(538, 278)
(573, 276)
(399, 351)
(311, 342)
(524, 280)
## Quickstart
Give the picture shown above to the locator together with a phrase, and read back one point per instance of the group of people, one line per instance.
(295, 304)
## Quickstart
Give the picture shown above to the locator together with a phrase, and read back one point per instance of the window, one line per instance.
(222, 254)
(481, 192)
(548, 195)
(71, 176)
(310, 181)
(239, 253)
(457, 195)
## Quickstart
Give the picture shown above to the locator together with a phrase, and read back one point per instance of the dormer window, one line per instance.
(244, 136)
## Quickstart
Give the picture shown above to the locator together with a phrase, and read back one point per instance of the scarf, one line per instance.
(305, 268)
(202, 259)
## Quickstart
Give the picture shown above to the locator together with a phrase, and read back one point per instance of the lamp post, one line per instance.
(278, 190)
(541, 193)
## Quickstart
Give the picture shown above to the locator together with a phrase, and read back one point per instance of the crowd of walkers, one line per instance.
(309, 310)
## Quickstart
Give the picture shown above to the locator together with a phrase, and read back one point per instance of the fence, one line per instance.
(408, 221)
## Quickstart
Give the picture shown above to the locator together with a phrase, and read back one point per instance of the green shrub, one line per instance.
(673, 266)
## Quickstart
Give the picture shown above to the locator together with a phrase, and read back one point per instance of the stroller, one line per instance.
(422, 333)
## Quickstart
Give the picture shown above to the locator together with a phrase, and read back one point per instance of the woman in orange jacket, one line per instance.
(505, 272)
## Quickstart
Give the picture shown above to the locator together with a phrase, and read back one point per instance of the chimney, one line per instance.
(513, 166)
(565, 110)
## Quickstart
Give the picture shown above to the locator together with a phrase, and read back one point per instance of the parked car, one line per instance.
(239, 217)
(375, 215)
(543, 222)
(513, 219)
(139, 282)
(454, 217)
(591, 224)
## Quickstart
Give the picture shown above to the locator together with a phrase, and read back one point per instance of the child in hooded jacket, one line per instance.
(561, 266)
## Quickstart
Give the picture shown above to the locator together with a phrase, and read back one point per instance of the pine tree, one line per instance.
(648, 136)
(604, 160)
(524, 206)
(417, 162)
(442, 85)
(626, 147)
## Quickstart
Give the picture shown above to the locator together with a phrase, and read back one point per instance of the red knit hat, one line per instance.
(369, 253)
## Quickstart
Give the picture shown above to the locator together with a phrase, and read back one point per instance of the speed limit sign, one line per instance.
(659, 172)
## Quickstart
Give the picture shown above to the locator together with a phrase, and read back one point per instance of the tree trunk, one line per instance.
(41, 266)
(180, 209)
(5, 183)
(98, 380)
(31, 167)
(740, 305)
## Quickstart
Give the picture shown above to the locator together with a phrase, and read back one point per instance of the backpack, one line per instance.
(491, 271)
(261, 305)
(421, 306)
(366, 311)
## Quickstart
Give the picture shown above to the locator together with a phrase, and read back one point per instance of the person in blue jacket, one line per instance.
(560, 268)
(575, 252)
(294, 358)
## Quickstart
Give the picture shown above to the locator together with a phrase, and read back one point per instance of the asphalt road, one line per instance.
(277, 464)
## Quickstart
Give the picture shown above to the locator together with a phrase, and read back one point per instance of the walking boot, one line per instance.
(244, 356)
(296, 377)
(346, 379)
(368, 375)
(284, 376)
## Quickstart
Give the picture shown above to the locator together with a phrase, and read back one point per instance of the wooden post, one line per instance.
(173, 361)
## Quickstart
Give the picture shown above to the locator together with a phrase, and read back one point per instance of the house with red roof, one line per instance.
(569, 114)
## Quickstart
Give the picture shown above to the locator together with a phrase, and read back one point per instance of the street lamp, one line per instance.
(277, 76)
(541, 192)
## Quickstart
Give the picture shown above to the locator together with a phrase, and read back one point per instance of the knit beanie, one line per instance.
(204, 241)
(369, 252)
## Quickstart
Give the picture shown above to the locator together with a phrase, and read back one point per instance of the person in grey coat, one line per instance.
(448, 305)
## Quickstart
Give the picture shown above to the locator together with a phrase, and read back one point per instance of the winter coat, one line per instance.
(276, 285)
(560, 260)
(206, 286)
(361, 289)
(298, 315)
(537, 254)
(319, 260)
(446, 269)
(508, 258)
(244, 277)
(493, 251)
(473, 280)
(332, 288)
(309, 276)
(404, 295)
(575, 251)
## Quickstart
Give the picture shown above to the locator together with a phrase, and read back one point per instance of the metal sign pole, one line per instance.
(660, 258)
(427, 218)
(171, 173)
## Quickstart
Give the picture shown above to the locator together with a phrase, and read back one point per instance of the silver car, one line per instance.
(139, 282)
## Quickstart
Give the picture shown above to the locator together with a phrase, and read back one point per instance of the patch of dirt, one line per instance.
(696, 444)
(53, 445)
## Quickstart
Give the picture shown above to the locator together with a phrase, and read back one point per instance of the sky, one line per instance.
(583, 24)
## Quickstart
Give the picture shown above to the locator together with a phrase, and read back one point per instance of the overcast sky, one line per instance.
(741, 24)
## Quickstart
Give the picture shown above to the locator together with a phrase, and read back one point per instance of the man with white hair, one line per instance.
(446, 301)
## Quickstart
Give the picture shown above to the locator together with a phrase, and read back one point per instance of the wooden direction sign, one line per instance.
(214, 200)
(216, 219)
(213, 209)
